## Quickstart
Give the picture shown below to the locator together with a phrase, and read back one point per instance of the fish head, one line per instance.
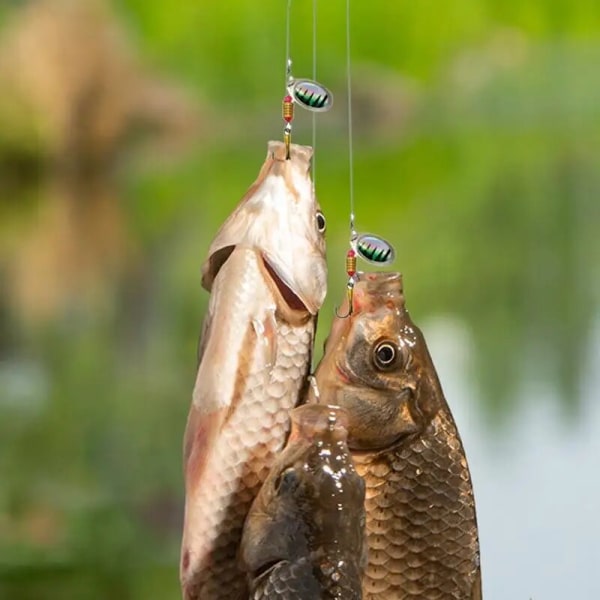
(281, 219)
(305, 502)
(376, 366)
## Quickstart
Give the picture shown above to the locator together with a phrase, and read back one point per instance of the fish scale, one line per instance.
(420, 517)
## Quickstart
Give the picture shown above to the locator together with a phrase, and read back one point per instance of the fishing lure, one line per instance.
(307, 93)
(369, 247)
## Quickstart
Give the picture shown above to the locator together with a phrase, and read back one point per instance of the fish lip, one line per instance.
(290, 297)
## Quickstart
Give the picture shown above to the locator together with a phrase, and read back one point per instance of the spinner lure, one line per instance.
(370, 247)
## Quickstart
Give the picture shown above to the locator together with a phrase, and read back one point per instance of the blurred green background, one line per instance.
(130, 129)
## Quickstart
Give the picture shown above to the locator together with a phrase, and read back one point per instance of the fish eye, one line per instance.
(385, 355)
(287, 481)
(321, 223)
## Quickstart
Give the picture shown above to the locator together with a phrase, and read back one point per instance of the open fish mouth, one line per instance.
(288, 295)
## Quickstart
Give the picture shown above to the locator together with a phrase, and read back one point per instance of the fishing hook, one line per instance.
(350, 297)
(351, 271)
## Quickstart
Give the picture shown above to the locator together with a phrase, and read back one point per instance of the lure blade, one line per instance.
(311, 95)
(374, 249)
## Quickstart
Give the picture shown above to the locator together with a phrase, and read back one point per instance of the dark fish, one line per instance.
(421, 522)
(304, 537)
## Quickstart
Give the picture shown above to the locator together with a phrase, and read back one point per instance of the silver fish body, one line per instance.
(255, 353)
(304, 537)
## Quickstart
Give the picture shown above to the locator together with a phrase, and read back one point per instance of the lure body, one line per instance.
(267, 276)
(311, 95)
(304, 537)
(421, 521)
(374, 249)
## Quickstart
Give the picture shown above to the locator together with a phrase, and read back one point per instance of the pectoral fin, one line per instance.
(266, 336)
(201, 434)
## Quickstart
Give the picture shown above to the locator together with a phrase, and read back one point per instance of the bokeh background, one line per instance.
(129, 129)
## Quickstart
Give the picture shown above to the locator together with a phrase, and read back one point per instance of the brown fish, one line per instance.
(421, 522)
(267, 275)
(304, 538)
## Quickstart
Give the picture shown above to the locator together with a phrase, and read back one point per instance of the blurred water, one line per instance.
(537, 482)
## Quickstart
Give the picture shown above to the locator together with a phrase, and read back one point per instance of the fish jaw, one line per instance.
(278, 218)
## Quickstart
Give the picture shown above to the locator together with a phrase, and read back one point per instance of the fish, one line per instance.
(304, 537)
(421, 518)
(267, 276)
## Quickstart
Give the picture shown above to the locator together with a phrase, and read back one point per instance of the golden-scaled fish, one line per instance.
(267, 274)
(421, 522)
(304, 538)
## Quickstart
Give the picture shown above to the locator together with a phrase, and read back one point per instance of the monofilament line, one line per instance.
(314, 115)
(287, 42)
(349, 93)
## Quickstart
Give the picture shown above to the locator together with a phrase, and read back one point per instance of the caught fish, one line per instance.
(304, 538)
(421, 522)
(267, 275)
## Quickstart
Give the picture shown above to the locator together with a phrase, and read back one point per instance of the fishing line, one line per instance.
(368, 246)
(314, 76)
(308, 93)
(288, 60)
(349, 100)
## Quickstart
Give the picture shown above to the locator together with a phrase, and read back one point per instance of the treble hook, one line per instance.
(350, 296)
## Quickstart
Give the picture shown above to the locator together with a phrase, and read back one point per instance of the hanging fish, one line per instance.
(304, 537)
(421, 522)
(267, 275)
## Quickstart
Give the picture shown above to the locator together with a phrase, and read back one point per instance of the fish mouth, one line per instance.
(288, 295)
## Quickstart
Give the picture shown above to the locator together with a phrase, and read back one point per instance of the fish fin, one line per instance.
(260, 338)
(200, 434)
(266, 334)
(211, 408)
(476, 592)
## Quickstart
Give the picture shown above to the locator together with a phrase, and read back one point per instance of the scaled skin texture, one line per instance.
(421, 521)
(267, 275)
